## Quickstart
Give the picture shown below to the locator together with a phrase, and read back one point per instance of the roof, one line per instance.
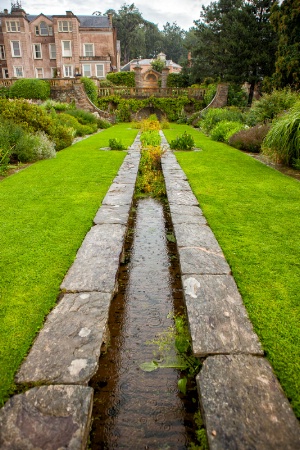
(147, 62)
(85, 21)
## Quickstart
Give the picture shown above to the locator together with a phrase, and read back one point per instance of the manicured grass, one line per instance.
(254, 212)
(45, 212)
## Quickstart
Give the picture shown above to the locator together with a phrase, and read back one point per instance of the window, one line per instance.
(15, 49)
(13, 26)
(86, 70)
(39, 72)
(52, 51)
(5, 72)
(18, 72)
(2, 52)
(43, 30)
(64, 26)
(68, 71)
(88, 49)
(66, 48)
(37, 51)
(100, 70)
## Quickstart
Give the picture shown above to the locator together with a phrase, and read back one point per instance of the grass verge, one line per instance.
(254, 212)
(45, 212)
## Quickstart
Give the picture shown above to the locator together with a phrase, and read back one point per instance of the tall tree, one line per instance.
(286, 21)
(173, 39)
(235, 41)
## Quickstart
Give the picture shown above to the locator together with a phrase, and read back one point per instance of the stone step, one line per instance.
(244, 407)
(47, 417)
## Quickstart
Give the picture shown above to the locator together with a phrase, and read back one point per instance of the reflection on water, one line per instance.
(136, 409)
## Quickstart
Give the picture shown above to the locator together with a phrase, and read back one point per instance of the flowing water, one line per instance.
(135, 409)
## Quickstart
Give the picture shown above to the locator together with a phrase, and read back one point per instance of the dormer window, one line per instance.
(43, 29)
(13, 26)
(64, 26)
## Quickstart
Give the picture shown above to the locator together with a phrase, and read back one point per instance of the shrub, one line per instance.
(116, 144)
(150, 138)
(83, 117)
(212, 116)
(177, 80)
(62, 136)
(33, 147)
(165, 125)
(183, 142)
(282, 142)
(90, 89)
(4, 92)
(70, 121)
(271, 105)
(122, 78)
(102, 123)
(250, 139)
(49, 105)
(237, 96)
(30, 88)
(150, 124)
(223, 130)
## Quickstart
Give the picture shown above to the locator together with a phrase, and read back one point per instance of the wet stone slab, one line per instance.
(181, 197)
(67, 349)
(244, 406)
(47, 418)
(180, 185)
(217, 317)
(196, 260)
(112, 214)
(195, 235)
(182, 214)
(97, 261)
(119, 194)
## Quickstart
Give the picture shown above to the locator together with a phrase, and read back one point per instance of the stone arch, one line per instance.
(150, 79)
(145, 112)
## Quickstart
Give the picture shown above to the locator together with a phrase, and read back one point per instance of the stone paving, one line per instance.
(242, 403)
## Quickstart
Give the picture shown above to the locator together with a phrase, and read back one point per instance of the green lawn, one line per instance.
(45, 212)
(254, 212)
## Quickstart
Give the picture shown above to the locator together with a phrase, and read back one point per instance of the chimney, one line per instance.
(69, 14)
(109, 15)
(6, 11)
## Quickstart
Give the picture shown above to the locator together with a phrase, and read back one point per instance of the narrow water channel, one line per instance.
(135, 409)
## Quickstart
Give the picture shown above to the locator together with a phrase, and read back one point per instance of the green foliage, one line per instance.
(4, 92)
(150, 138)
(69, 121)
(83, 117)
(286, 20)
(49, 105)
(158, 65)
(116, 144)
(122, 78)
(102, 123)
(224, 130)
(30, 88)
(283, 140)
(177, 80)
(90, 89)
(270, 105)
(212, 116)
(210, 92)
(250, 139)
(237, 96)
(183, 142)
(34, 147)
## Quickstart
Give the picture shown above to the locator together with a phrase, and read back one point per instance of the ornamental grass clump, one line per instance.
(282, 142)
(116, 144)
(183, 142)
(224, 130)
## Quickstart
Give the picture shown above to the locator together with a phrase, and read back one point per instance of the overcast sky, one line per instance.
(184, 12)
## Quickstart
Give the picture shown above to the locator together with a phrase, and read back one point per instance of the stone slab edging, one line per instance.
(65, 354)
(243, 405)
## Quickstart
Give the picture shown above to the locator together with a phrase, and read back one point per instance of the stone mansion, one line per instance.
(63, 46)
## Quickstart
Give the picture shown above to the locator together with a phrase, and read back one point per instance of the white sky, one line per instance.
(184, 12)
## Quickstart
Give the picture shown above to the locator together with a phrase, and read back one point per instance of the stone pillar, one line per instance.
(138, 76)
(164, 76)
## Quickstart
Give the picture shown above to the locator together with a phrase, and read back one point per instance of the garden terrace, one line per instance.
(148, 92)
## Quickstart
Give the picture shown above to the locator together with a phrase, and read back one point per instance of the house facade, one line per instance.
(63, 46)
